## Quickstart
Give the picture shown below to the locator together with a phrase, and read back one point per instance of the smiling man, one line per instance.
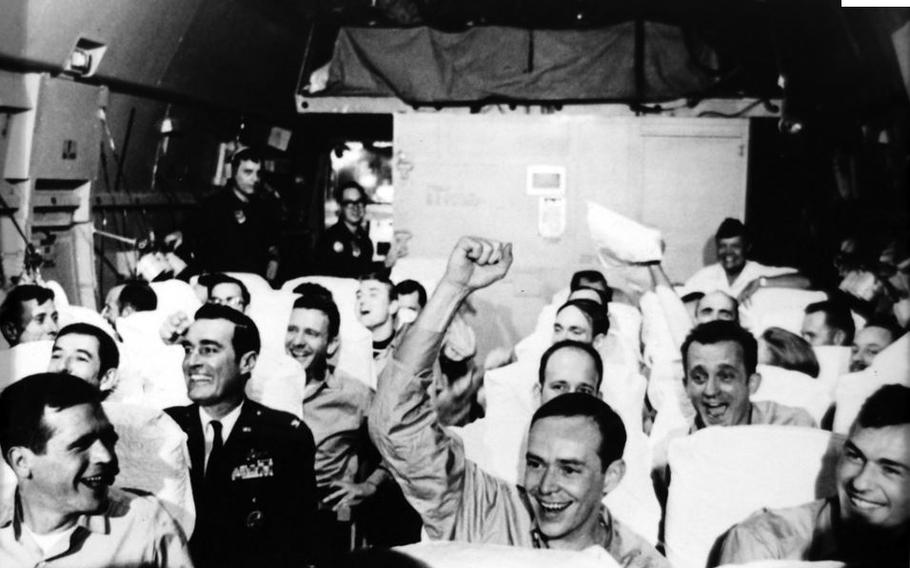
(86, 351)
(252, 467)
(574, 452)
(720, 359)
(335, 407)
(28, 314)
(733, 274)
(867, 523)
(58, 441)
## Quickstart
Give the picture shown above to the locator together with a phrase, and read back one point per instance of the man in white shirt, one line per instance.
(736, 276)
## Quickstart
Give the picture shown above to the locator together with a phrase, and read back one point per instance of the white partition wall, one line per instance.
(461, 174)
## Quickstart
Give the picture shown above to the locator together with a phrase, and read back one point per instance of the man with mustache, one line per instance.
(58, 441)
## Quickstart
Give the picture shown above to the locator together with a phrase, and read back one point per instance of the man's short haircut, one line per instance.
(570, 344)
(730, 228)
(108, 353)
(612, 431)
(338, 194)
(390, 286)
(12, 308)
(581, 276)
(326, 306)
(596, 314)
(245, 155)
(246, 334)
(692, 297)
(22, 407)
(139, 295)
(886, 323)
(219, 278)
(790, 351)
(313, 290)
(888, 406)
(406, 287)
(837, 316)
(731, 298)
(719, 331)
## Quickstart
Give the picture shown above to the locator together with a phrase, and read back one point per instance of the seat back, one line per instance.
(719, 476)
(780, 307)
(792, 388)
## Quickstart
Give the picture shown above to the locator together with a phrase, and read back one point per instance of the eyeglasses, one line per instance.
(232, 302)
(352, 203)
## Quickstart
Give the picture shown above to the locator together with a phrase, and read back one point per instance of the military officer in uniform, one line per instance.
(251, 466)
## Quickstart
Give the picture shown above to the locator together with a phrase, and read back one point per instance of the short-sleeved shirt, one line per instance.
(713, 277)
(335, 410)
(808, 532)
(132, 531)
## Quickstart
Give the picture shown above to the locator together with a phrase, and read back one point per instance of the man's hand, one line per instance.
(349, 494)
(745, 297)
(476, 262)
(174, 327)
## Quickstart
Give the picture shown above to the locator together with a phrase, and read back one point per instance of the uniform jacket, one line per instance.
(256, 507)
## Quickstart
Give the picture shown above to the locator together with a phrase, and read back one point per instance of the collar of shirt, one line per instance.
(227, 424)
(313, 388)
(97, 523)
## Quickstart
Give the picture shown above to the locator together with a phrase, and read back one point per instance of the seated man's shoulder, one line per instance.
(182, 414)
(136, 504)
(770, 412)
(770, 534)
(631, 549)
(278, 424)
(348, 384)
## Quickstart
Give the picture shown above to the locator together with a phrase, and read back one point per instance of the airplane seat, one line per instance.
(270, 311)
(426, 270)
(23, 360)
(254, 283)
(721, 475)
(833, 361)
(60, 298)
(890, 366)
(175, 296)
(793, 388)
(779, 307)
(452, 554)
(153, 457)
(150, 372)
(278, 382)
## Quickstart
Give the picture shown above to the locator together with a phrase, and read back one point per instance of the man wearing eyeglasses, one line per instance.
(346, 249)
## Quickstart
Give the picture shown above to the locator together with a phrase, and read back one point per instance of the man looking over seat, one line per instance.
(127, 298)
(867, 523)
(28, 314)
(720, 360)
(869, 342)
(736, 276)
(575, 444)
(828, 323)
(86, 351)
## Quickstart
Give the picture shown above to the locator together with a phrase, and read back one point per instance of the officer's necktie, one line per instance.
(217, 444)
